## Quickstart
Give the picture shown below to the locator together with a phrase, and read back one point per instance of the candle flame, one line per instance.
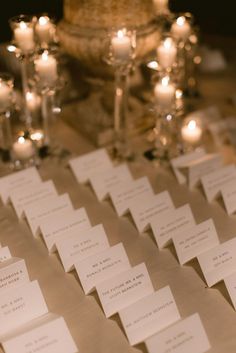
(153, 65)
(180, 21)
(45, 55)
(192, 125)
(23, 25)
(165, 81)
(121, 33)
(43, 20)
(11, 48)
(21, 140)
(29, 96)
(36, 136)
(167, 43)
(178, 93)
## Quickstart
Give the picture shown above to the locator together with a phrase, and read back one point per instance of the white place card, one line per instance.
(228, 193)
(13, 273)
(213, 182)
(149, 315)
(103, 182)
(171, 223)
(185, 336)
(48, 334)
(230, 283)
(102, 266)
(124, 195)
(70, 221)
(24, 197)
(124, 289)
(5, 253)
(17, 180)
(196, 240)
(38, 211)
(17, 307)
(202, 166)
(153, 206)
(219, 262)
(178, 162)
(90, 164)
(81, 245)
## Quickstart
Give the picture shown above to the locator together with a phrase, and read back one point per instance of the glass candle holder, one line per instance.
(181, 27)
(167, 53)
(23, 151)
(45, 30)
(191, 133)
(23, 31)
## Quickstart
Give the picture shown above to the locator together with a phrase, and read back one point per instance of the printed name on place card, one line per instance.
(228, 192)
(5, 254)
(13, 273)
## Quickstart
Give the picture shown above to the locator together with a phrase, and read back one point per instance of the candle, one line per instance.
(166, 53)
(5, 95)
(23, 148)
(161, 5)
(191, 132)
(38, 137)
(32, 101)
(181, 28)
(121, 46)
(46, 67)
(24, 36)
(44, 29)
(164, 93)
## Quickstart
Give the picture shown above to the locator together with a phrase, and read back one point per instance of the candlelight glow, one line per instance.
(22, 25)
(45, 55)
(165, 81)
(29, 96)
(178, 94)
(120, 34)
(180, 21)
(21, 139)
(43, 20)
(192, 125)
(167, 43)
(153, 65)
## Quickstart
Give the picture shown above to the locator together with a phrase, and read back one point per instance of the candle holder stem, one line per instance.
(6, 136)
(25, 89)
(46, 118)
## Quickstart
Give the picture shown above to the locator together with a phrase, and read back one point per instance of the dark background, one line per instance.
(216, 17)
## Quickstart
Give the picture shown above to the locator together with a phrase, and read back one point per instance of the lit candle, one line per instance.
(164, 93)
(191, 132)
(166, 53)
(23, 148)
(5, 94)
(32, 101)
(121, 46)
(161, 5)
(181, 28)
(44, 29)
(46, 67)
(24, 36)
(38, 137)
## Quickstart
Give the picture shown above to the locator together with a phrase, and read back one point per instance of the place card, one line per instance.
(90, 164)
(13, 273)
(70, 221)
(125, 194)
(46, 334)
(103, 182)
(196, 240)
(102, 266)
(202, 166)
(149, 315)
(219, 262)
(154, 206)
(38, 211)
(230, 283)
(187, 335)
(24, 197)
(181, 161)
(124, 289)
(18, 307)
(17, 180)
(213, 182)
(78, 246)
(171, 223)
(4, 253)
(228, 192)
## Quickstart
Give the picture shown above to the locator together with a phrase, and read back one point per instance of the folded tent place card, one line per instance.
(171, 223)
(17, 307)
(153, 206)
(103, 182)
(13, 273)
(187, 335)
(90, 164)
(102, 266)
(178, 162)
(195, 241)
(213, 182)
(230, 283)
(48, 334)
(204, 165)
(124, 195)
(218, 262)
(228, 192)
(24, 197)
(124, 289)
(63, 223)
(38, 211)
(4, 253)
(17, 180)
(149, 315)
(80, 245)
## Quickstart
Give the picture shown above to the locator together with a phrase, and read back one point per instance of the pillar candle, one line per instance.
(191, 132)
(23, 148)
(164, 93)
(46, 67)
(32, 101)
(166, 53)
(44, 29)
(24, 37)
(121, 46)
(181, 28)
(5, 95)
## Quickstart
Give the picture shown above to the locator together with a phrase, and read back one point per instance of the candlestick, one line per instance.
(181, 28)
(191, 132)
(23, 149)
(166, 53)
(44, 29)
(121, 46)
(164, 94)
(46, 68)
